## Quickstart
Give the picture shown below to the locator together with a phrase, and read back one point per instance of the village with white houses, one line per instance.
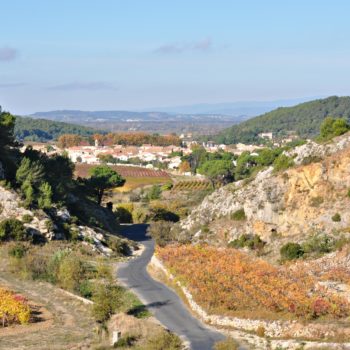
(169, 157)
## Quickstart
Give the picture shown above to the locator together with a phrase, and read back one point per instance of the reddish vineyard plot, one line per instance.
(82, 170)
(228, 281)
(192, 185)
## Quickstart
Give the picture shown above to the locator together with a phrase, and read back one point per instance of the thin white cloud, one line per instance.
(176, 48)
(90, 86)
(8, 54)
(11, 85)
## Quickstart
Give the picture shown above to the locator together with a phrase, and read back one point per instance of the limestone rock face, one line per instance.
(10, 207)
(297, 202)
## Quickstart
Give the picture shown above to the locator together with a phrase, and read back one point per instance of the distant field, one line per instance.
(134, 176)
(82, 170)
(135, 182)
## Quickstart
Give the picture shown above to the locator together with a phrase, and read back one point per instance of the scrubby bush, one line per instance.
(86, 289)
(161, 232)
(71, 272)
(124, 213)
(13, 308)
(316, 201)
(27, 219)
(318, 244)
(154, 193)
(17, 251)
(311, 159)
(282, 162)
(164, 341)
(291, 251)
(238, 215)
(107, 299)
(126, 341)
(251, 241)
(336, 217)
(140, 215)
(167, 187)
(12, 229)
(162, 214)
(118, 245)
(228, 344)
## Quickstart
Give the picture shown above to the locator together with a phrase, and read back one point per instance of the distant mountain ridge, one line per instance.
(247, 108)
(303, 119)
(125, 116)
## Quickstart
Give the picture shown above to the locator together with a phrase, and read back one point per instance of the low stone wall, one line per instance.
(273, 329)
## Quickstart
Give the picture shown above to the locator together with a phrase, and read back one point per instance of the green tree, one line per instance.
(103, 177)
(8, 150)
(217, 170)
(244, 165)
(12, 229)
(196, 158)
(332, 127)
(30, 176)
(45, 196)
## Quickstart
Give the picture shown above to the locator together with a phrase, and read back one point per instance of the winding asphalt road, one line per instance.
(164, 303)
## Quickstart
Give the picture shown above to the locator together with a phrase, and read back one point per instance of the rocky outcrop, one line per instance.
(38, 222)
(299, 201)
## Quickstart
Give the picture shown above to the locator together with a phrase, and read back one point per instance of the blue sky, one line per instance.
(114, 54)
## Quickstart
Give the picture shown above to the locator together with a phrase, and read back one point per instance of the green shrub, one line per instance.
(49, 225)
(282, 162)
(167, 187)
(27, 219)
(118, 245)
(71, 272)
(162, 214)
(125, 341)
(12, 229)
(161, 232)
(154, 193)
(238, 215)
(164, 341)
(336, 217)
(124, 213)
(316, 201)
(107, 300)
(291, 251)
(253, 242)
(320, 244)
(228, 344)
(311, 159)
(86, 289)
(140, 215)
(17, 251)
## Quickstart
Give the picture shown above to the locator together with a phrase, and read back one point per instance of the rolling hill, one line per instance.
(304, 119)
(42, 130)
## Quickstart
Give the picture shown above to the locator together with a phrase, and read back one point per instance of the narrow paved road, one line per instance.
(166, 306)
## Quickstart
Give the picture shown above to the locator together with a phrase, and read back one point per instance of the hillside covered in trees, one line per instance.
(304, 119)
(43, 130)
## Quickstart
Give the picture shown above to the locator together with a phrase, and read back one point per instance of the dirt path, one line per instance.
(65, 322)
